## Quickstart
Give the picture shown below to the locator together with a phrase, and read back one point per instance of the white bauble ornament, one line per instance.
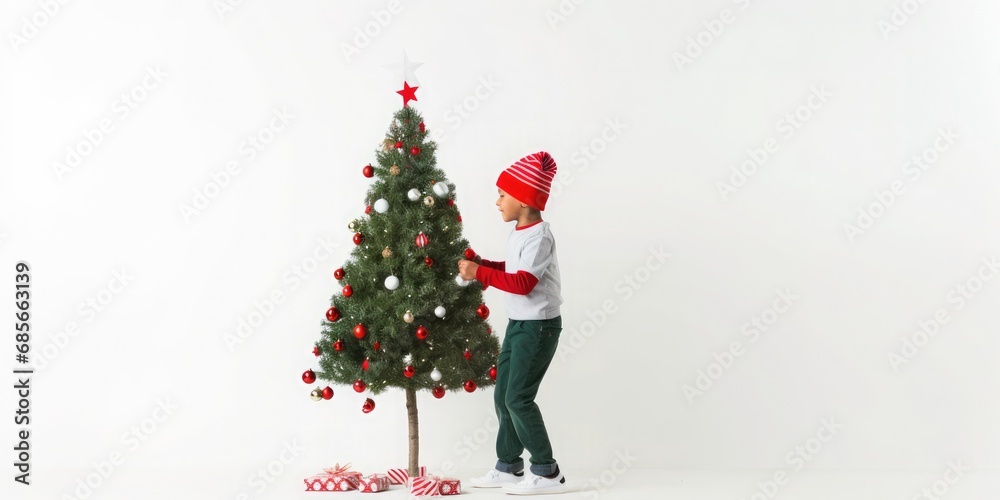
(381, 206)
(408, 316)
(440, 189)
(435, 375)
(439, 311)
(460, 281)
(413, 194)
(392, 282)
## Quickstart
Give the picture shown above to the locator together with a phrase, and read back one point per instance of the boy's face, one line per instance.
(510, 208)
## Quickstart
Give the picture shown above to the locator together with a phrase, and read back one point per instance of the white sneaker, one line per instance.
(494, 479)
(537, 485)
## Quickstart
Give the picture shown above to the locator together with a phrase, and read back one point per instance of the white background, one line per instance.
(651, 184)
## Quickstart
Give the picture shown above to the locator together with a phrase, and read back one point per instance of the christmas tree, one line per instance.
(404, 317)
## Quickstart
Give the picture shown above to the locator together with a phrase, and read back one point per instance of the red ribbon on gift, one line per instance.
(338, 469)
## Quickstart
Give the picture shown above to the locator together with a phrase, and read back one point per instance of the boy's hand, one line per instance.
(467, 269)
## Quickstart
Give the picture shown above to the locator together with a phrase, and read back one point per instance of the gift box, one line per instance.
(401, 476)
(327, 482)
(375, 483)
(432, 486)
(337, 478)
(449, 486)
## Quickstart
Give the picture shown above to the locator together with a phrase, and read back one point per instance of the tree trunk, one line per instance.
(411, 412)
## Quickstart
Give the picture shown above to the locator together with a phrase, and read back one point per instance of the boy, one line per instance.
(530, 276)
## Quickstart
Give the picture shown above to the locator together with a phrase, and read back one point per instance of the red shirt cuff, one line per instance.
(501, 265)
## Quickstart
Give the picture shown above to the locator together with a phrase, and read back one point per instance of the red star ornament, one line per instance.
(408, 93)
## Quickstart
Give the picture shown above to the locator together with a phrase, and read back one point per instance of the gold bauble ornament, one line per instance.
(408, 316)
(351, 226)
(394, 170)
(316, 394)
(388, 144)
(386, 253)
(429, 201)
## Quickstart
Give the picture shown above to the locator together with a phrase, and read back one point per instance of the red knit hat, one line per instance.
(529, 179)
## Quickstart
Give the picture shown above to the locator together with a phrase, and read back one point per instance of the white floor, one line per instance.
(758, 484)
(806, 484)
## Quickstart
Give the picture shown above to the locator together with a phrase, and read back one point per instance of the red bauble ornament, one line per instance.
(308, 376)
(316, 351)
(368, 171)
(364, 365)
(470, 385)
(368, 406)
(348, 291)
(483, 311)
(368, 209)
(414, 151)
(338, 273)
(470, 254)
(332, 314)
(489, 331)
(360, 331)
(359, 385)
(376, 346)
(421, 332)
(409, 371)
(451, 202)
(399, 144)
(459, 218)
(327, 392)
(338, 345)
(422, 240)
(358, 238)
(438, 392)
(493, 372)
(467, 354)
(428, 261)
(422, 128)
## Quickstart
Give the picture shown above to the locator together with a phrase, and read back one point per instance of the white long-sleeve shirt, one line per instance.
(529, 275)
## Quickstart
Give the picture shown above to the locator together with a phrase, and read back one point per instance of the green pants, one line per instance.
(528, 348)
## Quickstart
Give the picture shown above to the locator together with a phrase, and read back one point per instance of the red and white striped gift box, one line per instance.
(400, 476)
(425, 486)
(375, 483)
(432, 486)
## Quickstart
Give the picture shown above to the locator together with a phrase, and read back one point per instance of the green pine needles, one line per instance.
(406, 207)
